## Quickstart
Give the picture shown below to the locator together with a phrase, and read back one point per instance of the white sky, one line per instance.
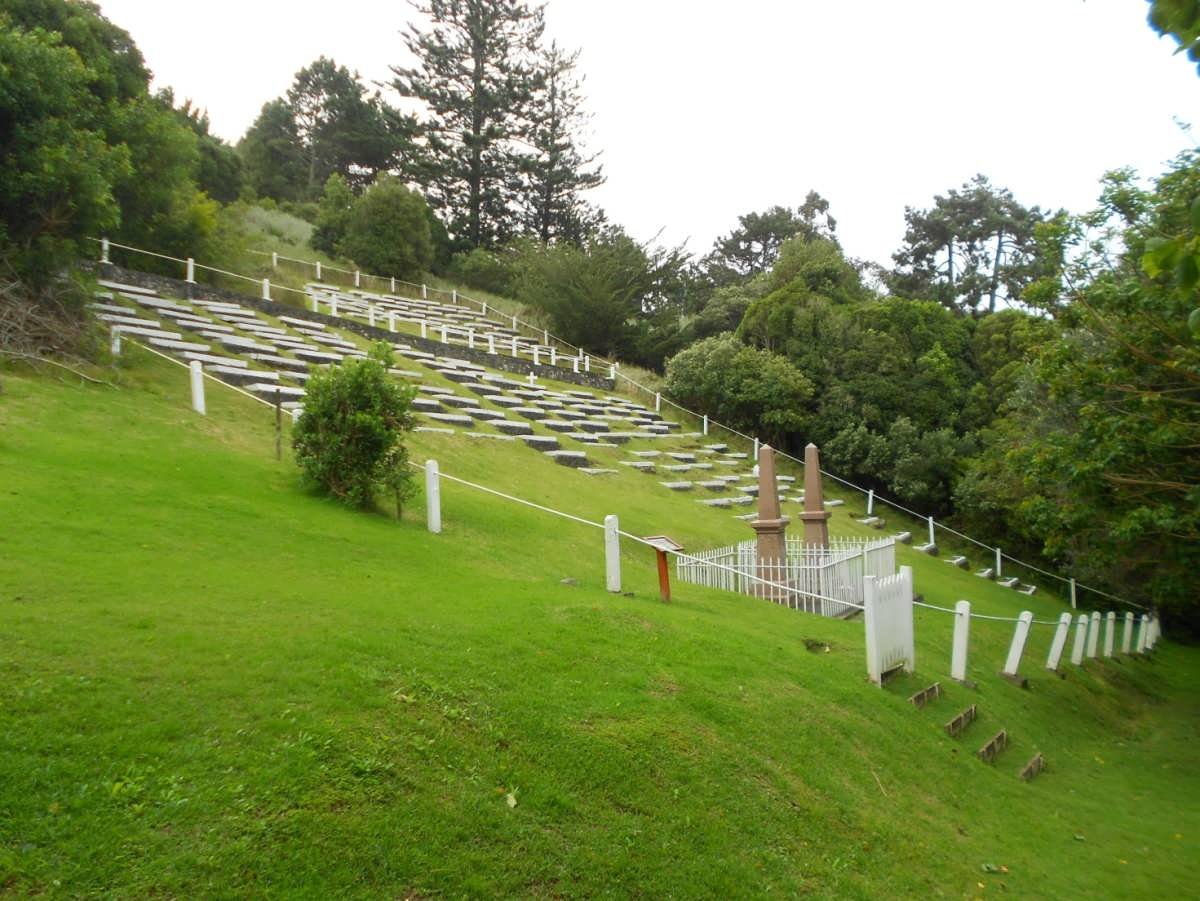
(708, 110)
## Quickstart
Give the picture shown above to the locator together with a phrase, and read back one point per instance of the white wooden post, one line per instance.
(1081, 624)
(274, 260)
(545, 336)
(471, 338)
(1127, 635)
(514, 347)
(357, 279)
(393, 288)
(537, 355)
(756, 450)
(197, 387)
(532, 379)
(999, 564)
(491, 344)
(318, 270)
(871, 506)
(332, 305)
(445, 334)
(115, 347)
(553, 356)
(704, 428)
(1072, 594)
(266, 289)
(1093, 635)
(454, 296)
(870, 615)
(612, 375)
(433, 498)
(391, 320)
(587, 363)
(191, 271)
(657, 402)
(612, 554)
(514, 323)
(1060, 642)
(104, 250)
(931, 536)
(371, 315)
(424, 328)
(316, 304)
(962, 629)
(424, 293)
(1017, 648)
(1143, 622)
(574, 364)
(1110, 628)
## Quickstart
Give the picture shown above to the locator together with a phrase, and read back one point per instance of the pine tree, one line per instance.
(556, 171)
(475, 75)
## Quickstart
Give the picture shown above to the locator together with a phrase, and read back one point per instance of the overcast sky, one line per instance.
(704, 111)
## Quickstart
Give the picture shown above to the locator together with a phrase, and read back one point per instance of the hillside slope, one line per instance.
(212, 682)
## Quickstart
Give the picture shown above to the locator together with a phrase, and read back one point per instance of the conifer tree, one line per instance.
(475, 74)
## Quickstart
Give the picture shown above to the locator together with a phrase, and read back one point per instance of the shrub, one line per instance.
(350, 439)
(387, 231)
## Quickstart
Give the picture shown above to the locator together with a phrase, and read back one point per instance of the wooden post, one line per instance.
(664, 575)
(871, 502)
(1127, 635)
(278, 424)
(318, 270)
(1093, 635)
(197, 387)
(1110, 630)
(1081, 625)
(1017, 648)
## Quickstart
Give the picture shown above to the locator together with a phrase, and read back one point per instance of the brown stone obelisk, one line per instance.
(815, 517)
(770, 525)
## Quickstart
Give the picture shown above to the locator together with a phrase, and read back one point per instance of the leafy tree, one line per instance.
(974, 245)
(333, 215)
(1181, 20)
(56, 168)
(754, 245)
(271, 152)
(388, 230)
(349, 440)
(601, 295)
(556, 171)
(475, 75)
(1094, 460)
(743, 387)
(220, 172)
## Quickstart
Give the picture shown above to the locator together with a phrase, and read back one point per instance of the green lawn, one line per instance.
(215, 683)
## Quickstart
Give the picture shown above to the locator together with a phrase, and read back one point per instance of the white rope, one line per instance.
(998, 619)
(639, 540)
(205, 373)
(712, 424)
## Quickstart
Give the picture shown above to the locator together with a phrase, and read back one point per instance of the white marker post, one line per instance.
(1127, 635)
(1081, 624)
(433, 498)
(999, 564)
(612, 554)
(115, 347)
(1110, 629)
(1017, 648)
(962, 630)
(1143, 625)
(197, 387)
(266, 289)
(1093, 635)
(1059, 643)
(871, 503)
(931, 537)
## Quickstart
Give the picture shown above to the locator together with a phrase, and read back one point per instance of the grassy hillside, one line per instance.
(213, 682)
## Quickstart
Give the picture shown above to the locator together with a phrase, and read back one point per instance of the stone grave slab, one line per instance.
(450, 418)
(677, 486)
(214, 360)
(576, 459)
(173, 345)
(534, 413)
(512, 427)
(491, 436)
(639, 465)
(596, 471)
(267, 389)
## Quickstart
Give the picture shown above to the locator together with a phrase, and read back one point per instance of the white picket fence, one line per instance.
(828, 581)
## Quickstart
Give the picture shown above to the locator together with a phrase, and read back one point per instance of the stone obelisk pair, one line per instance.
(771, 526)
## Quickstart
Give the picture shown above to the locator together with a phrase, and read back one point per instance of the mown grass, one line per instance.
(213, 682)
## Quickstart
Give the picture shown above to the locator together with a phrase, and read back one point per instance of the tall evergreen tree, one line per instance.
(475, 74)
(555, 173)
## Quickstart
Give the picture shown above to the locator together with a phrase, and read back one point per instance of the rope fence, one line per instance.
(658, 397)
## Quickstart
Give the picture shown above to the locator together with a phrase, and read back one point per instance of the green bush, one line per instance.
(350, 439)
(482, 269)
(387, 231)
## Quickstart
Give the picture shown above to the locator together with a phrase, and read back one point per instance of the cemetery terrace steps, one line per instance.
(273, 354)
